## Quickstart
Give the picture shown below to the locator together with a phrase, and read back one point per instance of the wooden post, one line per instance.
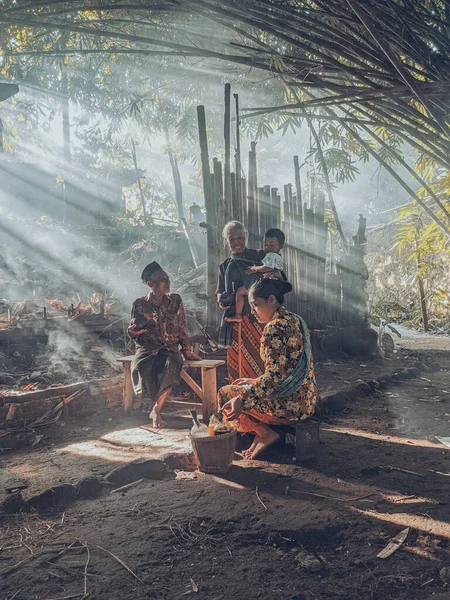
(211, 306)
(209, 387)
(252, 216)
(237, 158)
(227, 166)
(298, 187)
(235, 204)
(240, 349)
(127, 388)
(192, 247)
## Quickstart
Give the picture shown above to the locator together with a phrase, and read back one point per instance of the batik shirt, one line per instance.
(165, 324)
(281, 346)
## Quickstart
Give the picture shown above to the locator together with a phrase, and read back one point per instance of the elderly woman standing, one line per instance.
(158, 327)
(286, 392)
(231, 278)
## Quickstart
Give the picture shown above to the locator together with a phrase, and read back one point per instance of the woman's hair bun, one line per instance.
(263, 288)
(285, 287)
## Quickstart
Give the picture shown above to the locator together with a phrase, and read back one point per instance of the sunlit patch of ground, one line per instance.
(131, 444)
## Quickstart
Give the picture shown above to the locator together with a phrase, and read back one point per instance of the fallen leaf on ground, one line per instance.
(394, 544)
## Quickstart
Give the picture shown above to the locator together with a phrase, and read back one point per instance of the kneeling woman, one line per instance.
(286, 392)
(158, 327)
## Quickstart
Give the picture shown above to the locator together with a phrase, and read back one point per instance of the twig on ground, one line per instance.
(390, 468)
(83, 596)
(127, 486)
(259, 498)
(289, 491)
(120, 561)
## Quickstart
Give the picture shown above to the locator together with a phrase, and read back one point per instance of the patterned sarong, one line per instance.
(252, 365)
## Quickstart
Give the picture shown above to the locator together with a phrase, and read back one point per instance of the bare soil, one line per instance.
(269, 529)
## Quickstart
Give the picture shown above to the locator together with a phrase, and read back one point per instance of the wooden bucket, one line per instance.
(215, 453)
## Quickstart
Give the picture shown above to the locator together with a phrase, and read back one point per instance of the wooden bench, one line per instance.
(207, 392)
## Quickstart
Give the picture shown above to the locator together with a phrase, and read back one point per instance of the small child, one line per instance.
(273, 244)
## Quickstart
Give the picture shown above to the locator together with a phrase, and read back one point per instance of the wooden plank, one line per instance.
(210, 401)
(206, 363)
(191, 383)
(128, 392)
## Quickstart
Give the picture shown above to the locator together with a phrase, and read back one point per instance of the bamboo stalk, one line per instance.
(211, 306)
(227, 166)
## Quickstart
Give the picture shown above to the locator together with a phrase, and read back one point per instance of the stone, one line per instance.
(335, 402)
(89, 487)
(364, 388)
(138, 469)
(13, 503)
(359, 341)
(385, 382)
(413, 371)
(309, 562)
(7, 380)
(54, 499)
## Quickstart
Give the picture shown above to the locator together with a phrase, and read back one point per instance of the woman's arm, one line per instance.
(273, 343)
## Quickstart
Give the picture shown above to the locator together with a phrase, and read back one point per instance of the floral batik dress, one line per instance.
(281, 347)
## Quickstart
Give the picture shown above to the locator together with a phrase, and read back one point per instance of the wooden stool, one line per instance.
(207, 392)
(304, 436)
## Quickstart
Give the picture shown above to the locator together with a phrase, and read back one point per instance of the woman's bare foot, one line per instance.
(158, 422)
(234, 319)
(265, 437)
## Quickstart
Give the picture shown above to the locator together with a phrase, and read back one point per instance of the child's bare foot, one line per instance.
(234, 319)
(158, 422)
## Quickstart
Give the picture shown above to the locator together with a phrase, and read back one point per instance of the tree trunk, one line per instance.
(423, 301)
(65, 110)
(141, 191)
(176, 177)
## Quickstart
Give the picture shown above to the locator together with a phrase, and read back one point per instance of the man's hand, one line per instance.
(233, 408)
(133, 332)
(192, 356)
(243, 380)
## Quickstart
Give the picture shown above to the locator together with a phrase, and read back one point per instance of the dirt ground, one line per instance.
(269, 529)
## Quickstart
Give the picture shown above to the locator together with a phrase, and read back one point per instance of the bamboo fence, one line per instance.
(309, 252)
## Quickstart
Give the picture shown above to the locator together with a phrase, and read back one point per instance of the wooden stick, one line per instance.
(287, 491)
(120, 561)
(240, 349)
(259, 498)
(127, 486)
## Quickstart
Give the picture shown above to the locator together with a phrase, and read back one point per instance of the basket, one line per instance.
(215, 453)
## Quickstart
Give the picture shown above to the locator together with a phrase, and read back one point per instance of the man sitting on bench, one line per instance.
(158, 328)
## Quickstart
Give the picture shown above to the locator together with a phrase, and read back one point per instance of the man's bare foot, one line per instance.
(234, 319)
(158, 422)
(264, 438)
